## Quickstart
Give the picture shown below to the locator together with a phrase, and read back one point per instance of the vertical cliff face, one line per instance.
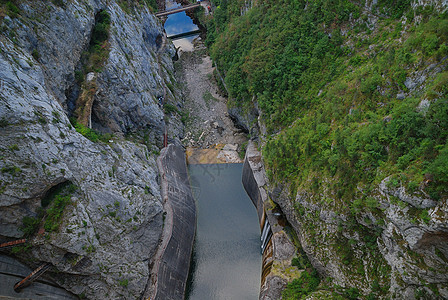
(394, 252)
(92, 207)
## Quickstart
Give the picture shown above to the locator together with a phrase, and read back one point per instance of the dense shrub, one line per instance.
(54, 213)
(89, 133)
(305, 284)
(29, 225)
(100, 32)
(333, 107)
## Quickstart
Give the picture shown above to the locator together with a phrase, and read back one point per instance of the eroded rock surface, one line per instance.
(109, 232)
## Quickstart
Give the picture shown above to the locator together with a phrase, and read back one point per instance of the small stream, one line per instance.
(226, 257)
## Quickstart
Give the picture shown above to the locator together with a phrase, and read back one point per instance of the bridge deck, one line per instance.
(32, 277)
(176, 10)
(185, 34)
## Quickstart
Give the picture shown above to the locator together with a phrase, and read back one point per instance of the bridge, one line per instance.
(183, 35)
(32, 277)
(176, 10)
(8, 245)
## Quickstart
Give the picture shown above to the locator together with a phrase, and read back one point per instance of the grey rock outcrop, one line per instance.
(242, 120)
(407, 248)
(130, 82)
(110, 231)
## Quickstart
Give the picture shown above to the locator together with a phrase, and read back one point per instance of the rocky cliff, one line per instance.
(92, 207)
(351, 99)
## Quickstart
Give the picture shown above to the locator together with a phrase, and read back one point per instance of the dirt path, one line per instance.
(208, 128)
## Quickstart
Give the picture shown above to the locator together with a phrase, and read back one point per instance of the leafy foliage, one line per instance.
(100, 32)
(89, 133)
(124, 282)
(343, 109)
(29, 225)
(99, 47)
(394, 8)
(56, 201)
(333, 105)
(54, 213)
(10, 7)
(169, 108)
(305, 284)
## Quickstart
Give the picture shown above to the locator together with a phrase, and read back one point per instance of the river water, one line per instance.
(227, 259)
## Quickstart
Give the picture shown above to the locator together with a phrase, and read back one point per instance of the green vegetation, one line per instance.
(3, 123)
(98, 51)
(124, 282)
(35, 54)
(242, 151)
(208, 98)
(352, 293)
(89, 133)
(13, 147)
(63, 189)
(332, 97)
(54, 213)
(53, 206)
(59, 3)
(12, 170)
(343, 109)
(9, 8)
(30, 225)
(305, 284)
(169, 108)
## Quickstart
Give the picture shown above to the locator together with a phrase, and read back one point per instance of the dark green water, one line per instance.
(227, 259)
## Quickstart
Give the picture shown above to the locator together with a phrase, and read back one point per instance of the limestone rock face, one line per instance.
(130, 83)
(399, 248)
(110, 231)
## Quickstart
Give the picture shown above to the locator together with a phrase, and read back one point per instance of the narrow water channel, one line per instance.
(226, 260)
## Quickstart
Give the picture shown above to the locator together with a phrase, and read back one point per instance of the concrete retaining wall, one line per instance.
(280, 249)
(252, 189)
(173, 262)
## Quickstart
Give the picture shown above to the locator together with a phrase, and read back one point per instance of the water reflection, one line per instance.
(227, 256)
(180, 23)
(185, 44)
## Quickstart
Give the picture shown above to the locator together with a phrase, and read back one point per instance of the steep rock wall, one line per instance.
(399, 251)
(406, 256)
(109, 232)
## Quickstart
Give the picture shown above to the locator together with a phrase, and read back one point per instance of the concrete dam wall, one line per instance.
(172, 263)
(277, 248)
